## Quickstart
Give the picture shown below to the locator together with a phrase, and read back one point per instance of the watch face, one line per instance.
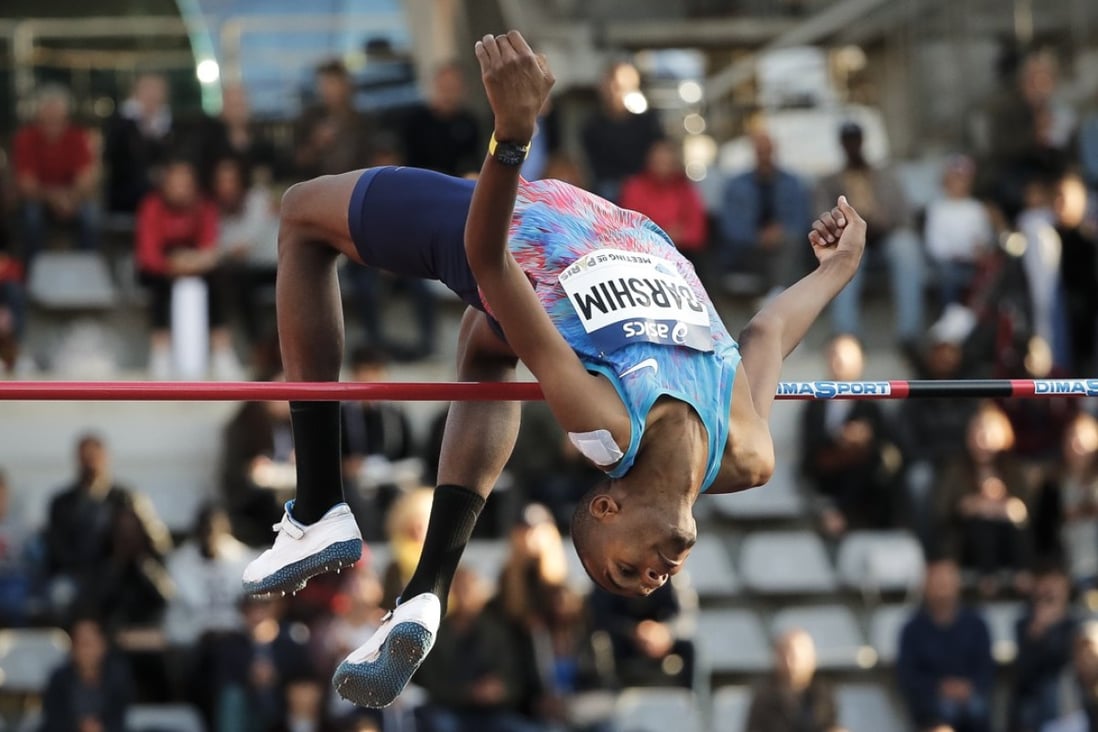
(509, 153)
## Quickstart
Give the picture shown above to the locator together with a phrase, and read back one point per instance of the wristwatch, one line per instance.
(511, 154)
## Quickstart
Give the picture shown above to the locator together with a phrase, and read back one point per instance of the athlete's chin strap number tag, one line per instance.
(599, 447)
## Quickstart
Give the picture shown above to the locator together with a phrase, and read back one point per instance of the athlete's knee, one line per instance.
(294, 207)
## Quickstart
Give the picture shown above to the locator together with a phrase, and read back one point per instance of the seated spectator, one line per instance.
(474, 677)
(13, 312)
(945, 669)
(535, 567)
(1078, 272)
(982, 500)
(405, 528)
(443, 134)
(205, 572)
(332, 136)
(16, 572)
(232, 134)
(932, 430)
(646, 644)
(614, 138)
(1079, 705)
(877, 195)
(373, 433)
(304, 708)
(793, 698)
(92, 691)
(848, 453)
(1045, 635)
(78, 529)
(247, 240)
(240, 680)
(1079, 501)
(958, 232)
(56, 173)
(177, 238)
(137, 143)
(258, 448)
(766, 212)
(663, 193)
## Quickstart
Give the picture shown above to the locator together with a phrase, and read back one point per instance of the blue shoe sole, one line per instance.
(377, 684)
(293, 577)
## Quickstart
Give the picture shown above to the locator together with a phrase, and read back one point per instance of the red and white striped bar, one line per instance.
(201, 391)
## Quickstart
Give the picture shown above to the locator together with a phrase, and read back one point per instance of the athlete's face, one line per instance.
(633, 551)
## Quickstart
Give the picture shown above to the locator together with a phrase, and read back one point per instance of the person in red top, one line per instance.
(663, 193)
(176, 232)
(56, 173)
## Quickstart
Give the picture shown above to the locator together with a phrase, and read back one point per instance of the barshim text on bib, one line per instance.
(626, 297)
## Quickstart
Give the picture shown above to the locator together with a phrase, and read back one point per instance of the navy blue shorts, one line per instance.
(411, 222)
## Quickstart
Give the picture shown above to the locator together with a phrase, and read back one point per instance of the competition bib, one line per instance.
(624, 297)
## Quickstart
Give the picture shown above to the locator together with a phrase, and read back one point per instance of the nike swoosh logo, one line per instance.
(648, 363)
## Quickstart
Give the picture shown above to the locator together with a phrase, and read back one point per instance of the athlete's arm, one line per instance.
(518, 83)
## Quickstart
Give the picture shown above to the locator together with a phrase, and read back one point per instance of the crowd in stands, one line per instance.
(1002, 495)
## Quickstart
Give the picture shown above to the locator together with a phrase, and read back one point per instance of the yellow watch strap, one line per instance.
(492, 142)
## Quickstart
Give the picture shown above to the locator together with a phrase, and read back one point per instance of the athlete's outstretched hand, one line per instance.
(838, 232)
(517, 81)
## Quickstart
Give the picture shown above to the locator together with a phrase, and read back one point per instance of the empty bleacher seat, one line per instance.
(840, 643)
(778, 499)
(1001, 618)
(71, 280)
(163, 718)
(28, 657)
(710, 568)
(730, 707)
(867, 708)
(732, 641)
(885, 627)
(657, 710)
(881, 561)
(786, 562)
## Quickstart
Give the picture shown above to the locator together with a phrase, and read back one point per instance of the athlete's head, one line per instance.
(631, 543)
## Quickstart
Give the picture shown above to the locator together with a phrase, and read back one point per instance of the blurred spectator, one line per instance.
(206, 574)
(240, 680)
(474, 675)
(177, 232)
(13, 312)
(848, 451)
(92, 691)
(545, 145)
(793, 698)
(405, 527)
(1045, 635)
(932, 430)
(767, 213)
(563, 167)
(958, 232)
(370, 286)
(56, 173)
(332, 137)
(15, 564)
(1078, 273)
(1079, 500)
(1088, 151)
(358, 613)
(877, 195)
(443, 134)
(663, 193)
(305, 708)
(257, 443)
(535, 566)
(981, 497)
(247, 240)
(1079, 705)
(644, 638)
(614, 138)
(373, 435)
(138, 141)
(945, 669)
(232, 135)
(80, 517)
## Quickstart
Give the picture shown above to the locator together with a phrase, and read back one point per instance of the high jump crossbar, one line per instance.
(191, 391)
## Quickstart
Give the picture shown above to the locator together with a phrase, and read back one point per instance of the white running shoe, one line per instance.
(374, 675)
(301, 552)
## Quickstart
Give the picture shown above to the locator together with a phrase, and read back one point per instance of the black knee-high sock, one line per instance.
(319, 462)
(454, 513)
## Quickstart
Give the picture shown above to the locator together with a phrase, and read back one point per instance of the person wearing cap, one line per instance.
(876, 193)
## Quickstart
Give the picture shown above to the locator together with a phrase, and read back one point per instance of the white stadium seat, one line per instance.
(778, 499)
(867, 708)
(872, 562)
(885, 626)
(1001, 618)
(163, 718)
(710, 568)
(730, 707)
(28, 657)
(840, 644)
(72, 280)
(786, 562)
(657, 710)
(732, 641)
